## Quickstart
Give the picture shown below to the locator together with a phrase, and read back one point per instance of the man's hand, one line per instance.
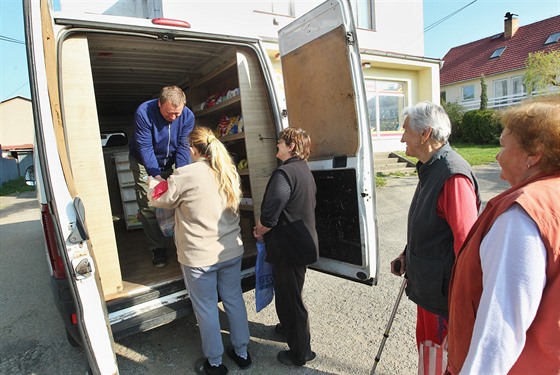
(398, 266)
(158, 178)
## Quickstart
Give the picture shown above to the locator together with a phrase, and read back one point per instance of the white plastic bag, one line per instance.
(166, 220)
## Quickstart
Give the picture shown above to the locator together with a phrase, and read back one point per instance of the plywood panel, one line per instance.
(258, 121)
(86, 159)
(320, 95)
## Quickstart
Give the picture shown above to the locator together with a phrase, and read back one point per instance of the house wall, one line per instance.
(454, 92)
(385, 46)
(16, 122)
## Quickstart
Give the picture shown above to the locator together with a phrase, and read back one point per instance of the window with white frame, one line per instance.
(363, 11)
(498, 52)
(500, 91)
(468, 92)
(552, 38)
(517, 88)
(386, 100)
(284, 8)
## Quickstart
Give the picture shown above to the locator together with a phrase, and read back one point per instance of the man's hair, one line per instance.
(173, 95)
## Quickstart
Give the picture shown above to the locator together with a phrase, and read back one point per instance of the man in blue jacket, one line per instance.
(161, 139)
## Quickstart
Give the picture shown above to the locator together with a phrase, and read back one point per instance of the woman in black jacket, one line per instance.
(287, 224)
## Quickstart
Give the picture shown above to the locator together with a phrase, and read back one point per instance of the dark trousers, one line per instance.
(147, 212)
(292, 313)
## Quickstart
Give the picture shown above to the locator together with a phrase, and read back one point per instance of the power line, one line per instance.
(429, 27)
(16, 90)
(11, 40)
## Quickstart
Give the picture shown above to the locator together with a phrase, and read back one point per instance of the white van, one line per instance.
(87, 77)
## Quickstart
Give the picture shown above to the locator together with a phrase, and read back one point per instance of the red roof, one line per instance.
(472, 60)
(25, 146)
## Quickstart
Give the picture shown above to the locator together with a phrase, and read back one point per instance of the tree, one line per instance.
(483, 94)
(543, 71)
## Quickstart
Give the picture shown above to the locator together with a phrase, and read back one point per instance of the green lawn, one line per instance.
(473, 154)
(15, 187)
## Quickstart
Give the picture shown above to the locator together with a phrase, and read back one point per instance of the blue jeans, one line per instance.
(204, 284)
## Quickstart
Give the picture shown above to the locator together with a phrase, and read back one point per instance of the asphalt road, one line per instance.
(347, 319)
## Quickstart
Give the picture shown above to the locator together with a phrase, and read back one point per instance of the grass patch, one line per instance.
(380, 180)
(472, 153)
(15, 187)
(477, 154)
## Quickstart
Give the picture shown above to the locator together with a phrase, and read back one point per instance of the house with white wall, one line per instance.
(396, 72)
(16, 137)
(500, 59)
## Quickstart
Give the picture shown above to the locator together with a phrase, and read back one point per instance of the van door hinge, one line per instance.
(284, 113)
(350, 38)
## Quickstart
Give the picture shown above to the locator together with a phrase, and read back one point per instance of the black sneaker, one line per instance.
(159, 257)
(203, 367)
(241, 362)
(285, 357)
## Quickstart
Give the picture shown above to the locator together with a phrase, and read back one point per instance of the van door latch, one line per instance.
(83, 269)
(350, 38)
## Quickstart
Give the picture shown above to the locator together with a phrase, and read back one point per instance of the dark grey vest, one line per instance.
(429, 254)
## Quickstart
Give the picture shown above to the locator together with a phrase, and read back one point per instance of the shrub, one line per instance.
(455, 111)
(481, 127)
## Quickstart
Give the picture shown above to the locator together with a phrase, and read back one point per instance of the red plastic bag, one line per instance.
(432, 358)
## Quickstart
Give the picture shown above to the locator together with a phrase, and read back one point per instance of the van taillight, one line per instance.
(54, 257)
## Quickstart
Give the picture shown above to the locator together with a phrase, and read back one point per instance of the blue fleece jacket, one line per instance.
(158, 144)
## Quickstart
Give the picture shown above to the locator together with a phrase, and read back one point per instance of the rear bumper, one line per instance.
(64, 302)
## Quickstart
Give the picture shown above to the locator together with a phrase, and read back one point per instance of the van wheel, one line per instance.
(71, 340)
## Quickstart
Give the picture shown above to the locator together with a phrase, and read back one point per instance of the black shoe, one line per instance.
(159, 257)
(242, 363)
(279, 329)
(285, 357)
(203, 367)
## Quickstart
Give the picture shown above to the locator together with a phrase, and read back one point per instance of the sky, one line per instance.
(450, 23)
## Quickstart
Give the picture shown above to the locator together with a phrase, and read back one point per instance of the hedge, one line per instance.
(481, 127)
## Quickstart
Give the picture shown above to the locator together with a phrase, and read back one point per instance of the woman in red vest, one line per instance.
(505, 288)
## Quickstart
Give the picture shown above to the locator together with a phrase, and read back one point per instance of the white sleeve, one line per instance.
(513, 259)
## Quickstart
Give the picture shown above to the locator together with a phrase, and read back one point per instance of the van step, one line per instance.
(153, 293)
(152, 319)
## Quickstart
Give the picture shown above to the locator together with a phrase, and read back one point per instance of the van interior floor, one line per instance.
(136, 261)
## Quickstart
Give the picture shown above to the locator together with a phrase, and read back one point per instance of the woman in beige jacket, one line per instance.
(206, 196)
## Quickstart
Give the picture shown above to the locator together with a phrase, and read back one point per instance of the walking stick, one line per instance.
(396, 266)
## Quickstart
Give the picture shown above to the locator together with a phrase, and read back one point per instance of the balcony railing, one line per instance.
(501, 101)
(496, 102)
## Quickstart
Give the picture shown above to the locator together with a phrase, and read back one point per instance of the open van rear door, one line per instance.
(325, 95)
(65, 212)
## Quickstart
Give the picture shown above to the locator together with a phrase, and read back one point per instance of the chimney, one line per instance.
(511, 25)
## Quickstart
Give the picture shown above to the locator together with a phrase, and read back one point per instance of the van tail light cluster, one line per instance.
(54, 257)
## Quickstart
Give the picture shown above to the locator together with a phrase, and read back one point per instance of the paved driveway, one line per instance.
(347, 319)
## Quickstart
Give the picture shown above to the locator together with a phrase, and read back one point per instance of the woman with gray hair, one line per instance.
(443, 209)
